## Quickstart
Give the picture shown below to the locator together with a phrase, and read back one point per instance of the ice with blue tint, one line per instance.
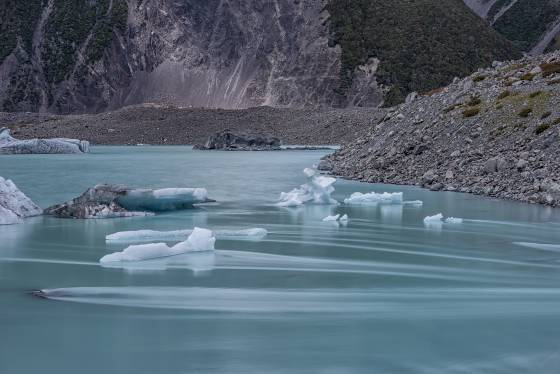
(163, 199)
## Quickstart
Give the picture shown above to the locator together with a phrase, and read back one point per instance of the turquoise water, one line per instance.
(382, 295)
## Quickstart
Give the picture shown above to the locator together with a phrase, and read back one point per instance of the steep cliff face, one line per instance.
(79, 56)
(533, 25)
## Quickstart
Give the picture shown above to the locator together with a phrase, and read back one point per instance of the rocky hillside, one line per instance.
(495, 133)
(76, 56)
(532, 25)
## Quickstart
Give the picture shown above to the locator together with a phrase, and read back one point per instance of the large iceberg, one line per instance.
(317, 190)
(200, 240)
(110, 201)
(11, 145)
(358, 198)
(14, 205)
(152, 235)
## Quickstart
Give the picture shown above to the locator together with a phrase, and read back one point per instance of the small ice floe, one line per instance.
(453, 220)
(439, 219)
(200, 240)
(151, 235)
(331, 218)
(337, 218)
(373, 198)
(14, 205)
(317, 190)
(414, 203)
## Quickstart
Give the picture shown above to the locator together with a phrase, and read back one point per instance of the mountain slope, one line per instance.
(532, 25)
(75, 56)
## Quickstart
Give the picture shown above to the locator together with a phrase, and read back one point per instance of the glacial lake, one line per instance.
(384, 294)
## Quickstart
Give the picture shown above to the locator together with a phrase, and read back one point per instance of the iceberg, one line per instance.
(151, 235)
(438, 218)
(373, 198)
(199, 241)
(14, 205)
(112, 201)
(11, 145)
(317, 190)
(162, 200)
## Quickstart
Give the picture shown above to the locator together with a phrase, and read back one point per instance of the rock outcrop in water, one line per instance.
(112, 201)
(11, 145)
(495, 133)
(14, 205)
(230, 141)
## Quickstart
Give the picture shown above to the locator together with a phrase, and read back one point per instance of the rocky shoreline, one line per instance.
(169, 125)
(495, 133)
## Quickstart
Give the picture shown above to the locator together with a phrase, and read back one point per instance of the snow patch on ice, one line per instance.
(373, 198)
(150, 235)
(317, 190)
(200, 240)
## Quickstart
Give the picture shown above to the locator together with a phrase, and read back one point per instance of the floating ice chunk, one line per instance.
(162, 200)
(14, 205)
(331, 218)
(371, 198)
(438, 218)
(317, 190)
(453, 220)
(151, 235)
(200, 240)
(414, 202)
(11, 145)
(344, 218)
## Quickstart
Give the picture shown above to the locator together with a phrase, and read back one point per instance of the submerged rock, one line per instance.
(229, 141)
(14, 205)
(11, 145)
(111, 201)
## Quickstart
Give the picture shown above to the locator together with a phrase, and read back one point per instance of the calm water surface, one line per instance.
(382, 295)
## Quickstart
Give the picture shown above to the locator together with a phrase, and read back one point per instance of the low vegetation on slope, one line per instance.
(422, 44)
(17, 23)
(526, 21)
(494, 133)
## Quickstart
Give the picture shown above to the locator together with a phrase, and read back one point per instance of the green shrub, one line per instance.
(478, 78)
(504, 94)
(528, 76)
(550, 69)
(542, 128)
(471, 112)
(525, 112)
(474, 101)
(535, 94)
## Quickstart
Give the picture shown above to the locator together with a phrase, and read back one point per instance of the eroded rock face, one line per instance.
(191, 53)
(11, 145)
(229, 141)
(14, 205)
(113, 201)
